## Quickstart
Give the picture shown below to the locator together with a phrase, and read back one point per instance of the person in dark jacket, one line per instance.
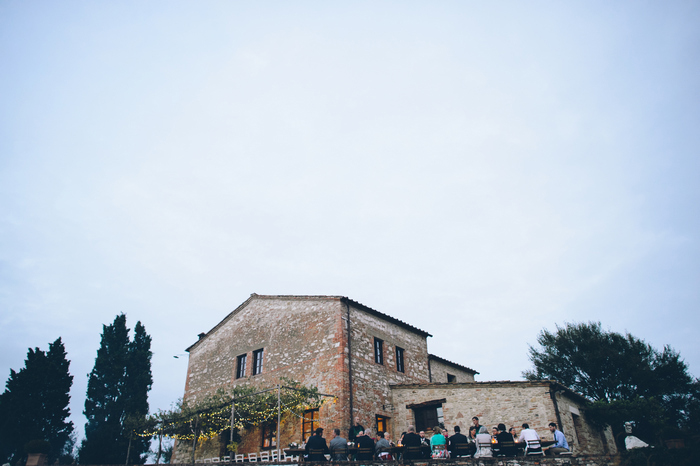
(317, 443)
(457, 438)
(365, 441)
(505, 442)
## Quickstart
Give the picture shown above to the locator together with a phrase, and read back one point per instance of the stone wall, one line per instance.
(511, 403)
(441, 370)
(302, 339)
(372, 395)
(602, 460)
(305, 338)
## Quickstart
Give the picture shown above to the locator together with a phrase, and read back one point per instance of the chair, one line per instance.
(264, 456)
(274, 455)
(339, 454)
(570, 452)
(463, 449)
(412, 453)
(285, 457)
(252, 457)
(533, 448)
(207, 460)
(239, 458)
(317, 454)
(440, 452)
(483, 446)
(506, 448)
(365, 454)
(226, 459)
(216, 460)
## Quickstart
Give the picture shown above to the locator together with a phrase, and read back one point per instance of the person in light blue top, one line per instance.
(438, 443)
(437, 438)
(560, 443)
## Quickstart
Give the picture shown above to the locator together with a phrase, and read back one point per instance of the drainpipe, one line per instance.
(430, 372)
(352, 397)
(553, 396)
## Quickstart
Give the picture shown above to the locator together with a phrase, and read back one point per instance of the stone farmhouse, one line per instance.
(378, 367)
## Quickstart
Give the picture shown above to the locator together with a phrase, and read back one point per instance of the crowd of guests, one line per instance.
(503, 442)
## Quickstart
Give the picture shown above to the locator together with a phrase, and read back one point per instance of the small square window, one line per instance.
(378, 351)
(451, 378)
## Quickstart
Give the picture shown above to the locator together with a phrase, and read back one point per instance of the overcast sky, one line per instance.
(480, 170)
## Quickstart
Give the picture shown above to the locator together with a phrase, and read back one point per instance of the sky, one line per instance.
(479, 170)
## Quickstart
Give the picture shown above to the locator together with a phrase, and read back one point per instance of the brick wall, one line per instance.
(302, 339)
(371, 381)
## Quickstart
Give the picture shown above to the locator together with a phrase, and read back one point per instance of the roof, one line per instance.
(450, 363)
(342, 299)
(387, 317)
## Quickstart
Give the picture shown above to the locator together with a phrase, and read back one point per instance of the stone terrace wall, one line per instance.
(518, 461)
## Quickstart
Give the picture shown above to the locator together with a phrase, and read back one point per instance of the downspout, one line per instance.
(430, 372)
(352, 397)
(553, 396)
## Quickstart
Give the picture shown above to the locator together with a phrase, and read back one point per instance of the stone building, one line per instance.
(378, 367)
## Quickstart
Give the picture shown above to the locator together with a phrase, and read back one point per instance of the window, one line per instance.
(428, 417)
(382, 424)
(378, 351)
(451, 378)
(309, 423)
(257, 362)
(399, 359)
(269, 435)
(240, 366)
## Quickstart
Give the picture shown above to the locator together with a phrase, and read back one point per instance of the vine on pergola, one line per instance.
(208, 417)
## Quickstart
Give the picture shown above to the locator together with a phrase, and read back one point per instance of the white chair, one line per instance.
(252, 457)
(533, 447)
(216, 460)
(483, 446)
(207, 460)
(239, 458)
(265, 456)
(291, 458)
(275, 455)
(226, 459)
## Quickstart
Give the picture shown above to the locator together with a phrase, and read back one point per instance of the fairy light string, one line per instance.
(212, 415)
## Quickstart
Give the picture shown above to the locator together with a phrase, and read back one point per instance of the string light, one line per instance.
(252, 409)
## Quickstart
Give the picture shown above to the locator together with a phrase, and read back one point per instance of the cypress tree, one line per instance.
(34, 405)
(117, 396)
(138, 383)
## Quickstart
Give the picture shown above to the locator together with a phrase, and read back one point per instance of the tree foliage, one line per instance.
(34, 406)
(117, 396)
(623, 375)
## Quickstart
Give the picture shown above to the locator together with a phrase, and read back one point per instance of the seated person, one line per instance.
(383, 447)
(457, 439)
(338, 447)
(412, 442)
(529, 435)
(318, 444)
(438, 443)
(505, 444)
(364, 441)
(560, 443)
